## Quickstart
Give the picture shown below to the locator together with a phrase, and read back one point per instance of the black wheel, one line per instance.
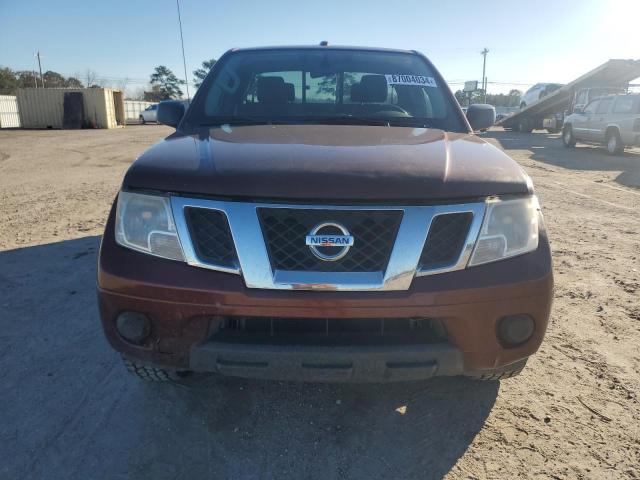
(568, 140)
(614, 143)
(153, 374)
(142, 122)
(502, 373)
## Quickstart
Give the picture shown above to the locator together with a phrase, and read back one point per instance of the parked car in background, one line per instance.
(613, 120)
(149, 114)
(538, 91)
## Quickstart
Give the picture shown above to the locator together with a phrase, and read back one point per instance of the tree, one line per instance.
(122, 84)
(201, 73)
(91, 78)
(53, 79)
(8, 81)
(511, 99)
(155, 95)
(168, 84)
(73, 82)
(27, 79)
(137, 94)
(469, 98)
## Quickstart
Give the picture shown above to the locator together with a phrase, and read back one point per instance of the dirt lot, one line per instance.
(69, 410)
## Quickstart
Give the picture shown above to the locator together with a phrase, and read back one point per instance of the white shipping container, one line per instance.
(44, 107)
(9, 115)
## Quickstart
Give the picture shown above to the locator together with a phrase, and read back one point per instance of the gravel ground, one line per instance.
(69, 410)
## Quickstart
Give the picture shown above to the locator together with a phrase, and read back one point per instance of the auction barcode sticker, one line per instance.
(418, 80)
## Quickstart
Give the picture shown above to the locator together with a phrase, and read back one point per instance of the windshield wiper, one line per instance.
(344, 119)
(338, 119)
(348, 119)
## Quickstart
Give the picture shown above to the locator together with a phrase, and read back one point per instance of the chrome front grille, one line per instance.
(211, 237)
(265, 243)
(284, 229)
(445, 241)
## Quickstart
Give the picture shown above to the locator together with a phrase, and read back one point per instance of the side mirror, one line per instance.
(578, 110)
(481, 116)
(170, 112)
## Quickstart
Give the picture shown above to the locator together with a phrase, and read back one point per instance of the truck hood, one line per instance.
(328, 162)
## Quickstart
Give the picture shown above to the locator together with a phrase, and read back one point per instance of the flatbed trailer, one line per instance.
(548, 112)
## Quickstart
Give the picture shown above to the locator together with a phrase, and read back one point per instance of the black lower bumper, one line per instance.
(328, 363)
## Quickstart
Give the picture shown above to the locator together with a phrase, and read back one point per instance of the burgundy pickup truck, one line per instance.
(327, 214)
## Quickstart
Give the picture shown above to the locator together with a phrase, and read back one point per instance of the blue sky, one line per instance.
(529, 41)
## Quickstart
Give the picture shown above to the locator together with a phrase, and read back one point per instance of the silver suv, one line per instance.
(613, 120)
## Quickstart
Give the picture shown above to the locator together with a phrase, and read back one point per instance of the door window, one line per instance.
(605, 103)
(591, 108)
(623, 105)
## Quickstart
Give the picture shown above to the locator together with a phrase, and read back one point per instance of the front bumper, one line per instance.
(182, 300)
(353, 363)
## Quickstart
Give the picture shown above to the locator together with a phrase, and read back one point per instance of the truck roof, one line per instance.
(322, 47)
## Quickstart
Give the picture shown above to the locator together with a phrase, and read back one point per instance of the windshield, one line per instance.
(326, 86)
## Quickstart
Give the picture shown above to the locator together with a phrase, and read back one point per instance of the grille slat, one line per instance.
(285, 229)
(329, 331)
(211, 236)
(445, 240)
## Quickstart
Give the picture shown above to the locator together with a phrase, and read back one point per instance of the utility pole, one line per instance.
(484, 68)
(184, 61)
(40, 67)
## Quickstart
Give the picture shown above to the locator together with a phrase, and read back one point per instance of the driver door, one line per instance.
(581, 124)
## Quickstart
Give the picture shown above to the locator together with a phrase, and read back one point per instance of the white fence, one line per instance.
(9, 116)
(132, 109)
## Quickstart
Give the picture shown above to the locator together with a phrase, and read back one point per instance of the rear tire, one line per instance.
(502, 373)
(153, 374)
(568, 140)
(614, 143)
(142, 121)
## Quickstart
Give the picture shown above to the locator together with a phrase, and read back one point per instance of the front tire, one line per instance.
(568, 140)
(142, 121)
(502, 373)
(614, 143)
(153, 374)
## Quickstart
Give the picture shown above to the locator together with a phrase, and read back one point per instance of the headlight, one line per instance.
(510, 228)
(145, 223)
